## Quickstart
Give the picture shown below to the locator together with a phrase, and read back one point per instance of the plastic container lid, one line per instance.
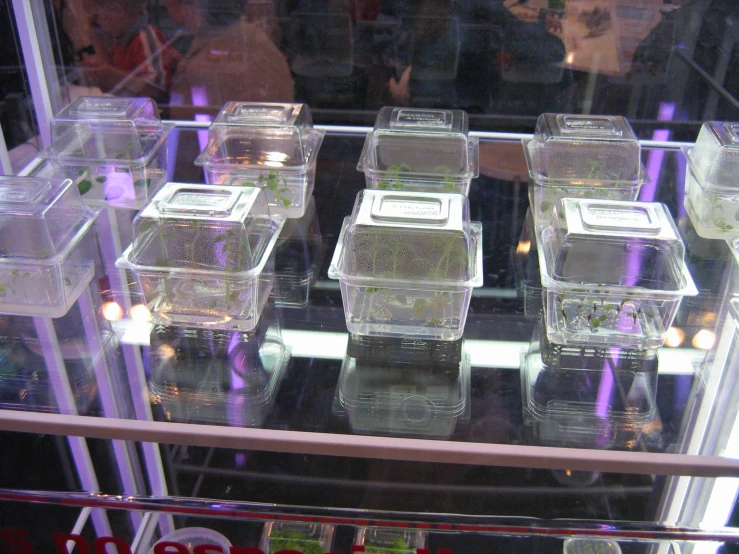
(591, 546)
(41, 220)
(248, 134)
(195, 536)
(584, 150)
(108, 130)
(204, 228)
(424, 142)
(715, 157)
(614, 244)
(410, 236)
(389, 541)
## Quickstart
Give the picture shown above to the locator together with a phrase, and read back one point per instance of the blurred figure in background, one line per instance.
(132, 57)
(229, 59)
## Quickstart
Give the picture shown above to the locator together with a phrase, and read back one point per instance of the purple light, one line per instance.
(200, 98)
(656, 157)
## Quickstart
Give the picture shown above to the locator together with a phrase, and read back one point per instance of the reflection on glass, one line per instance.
(298, 257)
(219, 377)
(404, 387)
(389, 541)
(587, 397)
(525, 260)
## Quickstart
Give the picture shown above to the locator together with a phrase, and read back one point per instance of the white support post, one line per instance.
(59, 379)
(35, 64)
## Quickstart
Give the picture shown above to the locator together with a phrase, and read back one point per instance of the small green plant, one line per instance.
(597, 312)
(717, 213)
(393, 177)
(294, 540)
(273, 182)
(597, 175)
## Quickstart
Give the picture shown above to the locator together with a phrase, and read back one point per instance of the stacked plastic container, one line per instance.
(270, 146)
(389, 541)
(295, 536)
(204, 255)
(581, 156)
(421, 150)
(711, 184)
(407, 263)
(114, 149)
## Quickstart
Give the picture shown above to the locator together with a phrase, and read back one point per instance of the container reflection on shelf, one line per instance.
(407, 388)
(218, 377)
(589, 399)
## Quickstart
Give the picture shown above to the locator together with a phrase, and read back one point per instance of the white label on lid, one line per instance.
(422, 118)
(103, 106)
(258, 112)
(619, 218)
(588, 125)
(215, 203)
(21, 190)
(402, 208)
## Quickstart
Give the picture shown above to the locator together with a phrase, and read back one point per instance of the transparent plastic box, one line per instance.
(407, 263)
(308, 538)
(389, 396)
(591, 402)
(711, 187)
(270, 146)
(583, 157)
(218, 377)
(614, 273)
(204, 255)
(420, 149)
(389, 541)
(114, 149)
(46, 246)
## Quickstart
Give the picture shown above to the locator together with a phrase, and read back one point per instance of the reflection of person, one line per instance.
(229, 59)
(132, 57)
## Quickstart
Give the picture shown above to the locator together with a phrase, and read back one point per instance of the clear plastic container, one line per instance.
(581, 545)
(388, 395)
(46, 246)
(308, 538)
(218, 377)
(407, 262)
(589, 402)
(582, 156)
(614, 273)
(204, 255)
(114, 149)
(270, 146)
(711, 188)
(389, 541)
(525, 263)
(298, 258)
(420, 149)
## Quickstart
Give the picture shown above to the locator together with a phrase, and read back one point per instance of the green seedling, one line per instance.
(273, 182)
(397, 546)
(294, 540)
(393, 177)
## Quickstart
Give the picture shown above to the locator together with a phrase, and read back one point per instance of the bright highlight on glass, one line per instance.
(674, 337)
(704, 339)
(112, 311)
(139, 313)
(523, 247)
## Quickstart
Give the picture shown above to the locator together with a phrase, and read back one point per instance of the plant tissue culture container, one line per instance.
(204, 255)
(582, 156)
(46, 246)
(271, 146)
(387, 396)
(420, 149)
(711, 185)
(308, 538)
(614, 273)
(389, 541)
(407, 262)
(115, 149)
(589, 401)
(218, 377)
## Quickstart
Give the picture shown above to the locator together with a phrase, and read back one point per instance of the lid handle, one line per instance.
(585, 125)
(415, 118)
(410, 209)
(603, 216)
(197, 201)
